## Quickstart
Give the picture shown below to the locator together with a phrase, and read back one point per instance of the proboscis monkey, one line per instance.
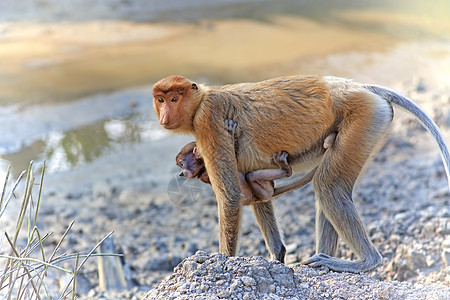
(293, 114)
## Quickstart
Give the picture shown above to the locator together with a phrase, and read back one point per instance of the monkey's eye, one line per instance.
(182, 165)
(160, 100)
(174, 99)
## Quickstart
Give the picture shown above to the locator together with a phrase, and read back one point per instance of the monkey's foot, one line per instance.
(280, 158)
(279, 254)
(341, 265)
(230, 126)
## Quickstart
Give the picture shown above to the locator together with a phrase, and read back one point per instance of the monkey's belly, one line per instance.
(250, 159)
(306, 165)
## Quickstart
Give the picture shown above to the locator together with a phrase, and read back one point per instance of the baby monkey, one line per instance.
(257, 186)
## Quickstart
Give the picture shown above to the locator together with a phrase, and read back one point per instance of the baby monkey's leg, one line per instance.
(261, 181)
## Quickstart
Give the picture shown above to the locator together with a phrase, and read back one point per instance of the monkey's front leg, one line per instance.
(217, 148)
(224, 181)
(264, 212)
(265, 216)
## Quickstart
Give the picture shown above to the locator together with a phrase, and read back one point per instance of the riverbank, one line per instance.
(78, 94)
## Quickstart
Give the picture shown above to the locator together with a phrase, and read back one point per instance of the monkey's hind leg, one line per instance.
(337, 215)
(333, 184)
(261, 181)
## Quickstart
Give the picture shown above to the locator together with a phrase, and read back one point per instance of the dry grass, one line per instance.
(24, 266)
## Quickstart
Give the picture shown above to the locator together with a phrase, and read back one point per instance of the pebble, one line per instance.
(446, 256)
(223, 293)
(235, 285)
(248, 281)
(416, 259)
(291, 248)
(446, 243)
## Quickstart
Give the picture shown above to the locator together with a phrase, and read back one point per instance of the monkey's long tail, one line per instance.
(429, 124)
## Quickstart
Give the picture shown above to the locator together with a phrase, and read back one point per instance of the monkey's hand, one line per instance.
(230, 125)
(280, 158)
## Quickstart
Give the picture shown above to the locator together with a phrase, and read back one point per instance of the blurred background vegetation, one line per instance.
(76, 76)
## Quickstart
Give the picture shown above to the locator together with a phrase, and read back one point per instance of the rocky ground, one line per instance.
(215, 276)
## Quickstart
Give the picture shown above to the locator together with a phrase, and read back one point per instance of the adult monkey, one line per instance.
(293, 114)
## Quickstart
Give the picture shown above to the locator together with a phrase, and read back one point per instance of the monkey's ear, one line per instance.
(194, 86)
(196, 153)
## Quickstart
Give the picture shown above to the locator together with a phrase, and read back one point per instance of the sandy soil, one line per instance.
(58, 61)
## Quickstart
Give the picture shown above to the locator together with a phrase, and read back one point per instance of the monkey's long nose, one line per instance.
(181, 174)
(163, 121)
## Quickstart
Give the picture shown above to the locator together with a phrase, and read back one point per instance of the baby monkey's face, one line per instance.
(190, 161)
(190, 165)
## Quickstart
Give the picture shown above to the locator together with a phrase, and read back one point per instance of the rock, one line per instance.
(443, 227)
(446, 256)
(201, 256)
(256, 278)
(446, 243)
(291, 248)
(248, 281)
(281, 274)
(223, 293)
(445, 211)
(416, 259)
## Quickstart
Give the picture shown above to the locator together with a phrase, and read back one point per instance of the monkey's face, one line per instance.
(191, 166)
(168, 108)
(171, 100)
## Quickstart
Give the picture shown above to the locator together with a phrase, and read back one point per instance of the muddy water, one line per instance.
(66, 87)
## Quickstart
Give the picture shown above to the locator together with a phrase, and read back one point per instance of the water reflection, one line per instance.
(66, 150)
(76, 147)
